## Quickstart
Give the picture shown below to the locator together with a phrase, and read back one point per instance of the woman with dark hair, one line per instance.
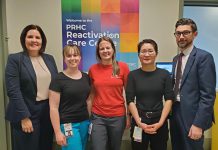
(28, 75)
(108, 78)
(69, 102)
(145, 90)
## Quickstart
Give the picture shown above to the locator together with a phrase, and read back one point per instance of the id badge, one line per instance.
(90, 128)
(137, 134)
(68, 130)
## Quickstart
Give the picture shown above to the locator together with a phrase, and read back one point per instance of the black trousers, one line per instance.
(156, 141)
(42, 136)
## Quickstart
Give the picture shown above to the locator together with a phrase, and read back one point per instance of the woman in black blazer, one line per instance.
(28, 75)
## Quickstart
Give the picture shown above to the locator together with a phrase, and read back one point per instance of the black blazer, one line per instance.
(21, 85)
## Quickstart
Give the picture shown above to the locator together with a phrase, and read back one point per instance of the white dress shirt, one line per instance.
(185, 57)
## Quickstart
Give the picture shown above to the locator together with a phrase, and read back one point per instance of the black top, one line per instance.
(73, 96)
(149, 88)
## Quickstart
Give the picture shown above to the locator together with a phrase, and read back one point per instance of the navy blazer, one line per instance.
(198, 89)
(21, 85)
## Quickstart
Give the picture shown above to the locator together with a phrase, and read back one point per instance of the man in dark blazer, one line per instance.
(195, 89)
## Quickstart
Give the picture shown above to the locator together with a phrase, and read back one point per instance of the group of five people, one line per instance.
(75, 103)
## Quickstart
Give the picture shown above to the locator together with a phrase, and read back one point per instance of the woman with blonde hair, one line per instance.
(69, 103)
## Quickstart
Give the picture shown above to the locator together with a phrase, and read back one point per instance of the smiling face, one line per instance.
(33, 42)
(72, 56)
(106, 52)
(147, 54)
(184, 36)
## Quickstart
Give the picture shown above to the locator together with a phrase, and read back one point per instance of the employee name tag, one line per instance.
(137, 134)
(68, 130)
(90, 128)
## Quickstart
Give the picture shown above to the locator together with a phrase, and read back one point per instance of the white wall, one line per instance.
(45, 13)
(157, 20)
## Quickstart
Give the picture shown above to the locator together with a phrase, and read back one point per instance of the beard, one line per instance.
(184, 44)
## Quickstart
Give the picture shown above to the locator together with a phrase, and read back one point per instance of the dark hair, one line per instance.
(116, 68)
(69, 47)
(150, 41)
(24, 33)
(187, 21)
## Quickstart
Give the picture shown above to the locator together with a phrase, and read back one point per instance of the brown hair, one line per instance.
(24, 33)
(187, 21)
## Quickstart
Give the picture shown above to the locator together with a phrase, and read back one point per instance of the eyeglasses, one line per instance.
(149, 52)
(184, 33)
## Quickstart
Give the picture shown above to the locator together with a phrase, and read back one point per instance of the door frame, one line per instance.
(5, 132)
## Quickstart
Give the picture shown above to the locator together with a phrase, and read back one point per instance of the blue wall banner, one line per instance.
(85, 21)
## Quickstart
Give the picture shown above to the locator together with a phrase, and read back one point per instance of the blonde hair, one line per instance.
(68, 49)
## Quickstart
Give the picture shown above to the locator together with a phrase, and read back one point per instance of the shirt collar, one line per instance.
(188, 50)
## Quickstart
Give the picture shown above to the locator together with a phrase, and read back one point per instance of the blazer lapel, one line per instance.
(29, 67)
(188, 65)
(49, 64)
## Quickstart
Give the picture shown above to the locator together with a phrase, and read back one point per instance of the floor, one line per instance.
(126, 145)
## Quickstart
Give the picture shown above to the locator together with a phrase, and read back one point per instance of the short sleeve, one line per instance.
(130, 89)
(90, 72)
(87, 78)
(168, 89)
(55, 84)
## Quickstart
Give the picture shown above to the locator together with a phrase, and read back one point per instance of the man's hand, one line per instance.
(195, 132)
